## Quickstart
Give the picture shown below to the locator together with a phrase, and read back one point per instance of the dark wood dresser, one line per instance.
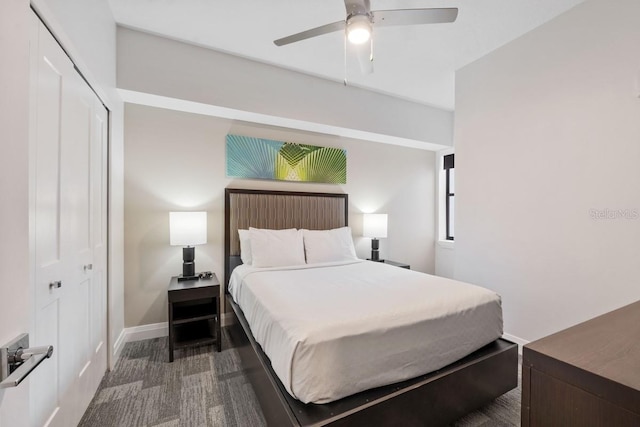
(587, 375)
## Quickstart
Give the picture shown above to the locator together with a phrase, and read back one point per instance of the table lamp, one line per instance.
(375, 226)
(188, 229)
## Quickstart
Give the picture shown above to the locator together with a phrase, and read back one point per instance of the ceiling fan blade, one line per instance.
(357, 7)
(383, 18)
(318, 31)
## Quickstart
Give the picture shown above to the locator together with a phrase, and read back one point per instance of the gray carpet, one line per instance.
(205, 388)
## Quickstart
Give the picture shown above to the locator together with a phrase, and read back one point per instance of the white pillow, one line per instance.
(276, 248)
(329, 245)
(245, 246)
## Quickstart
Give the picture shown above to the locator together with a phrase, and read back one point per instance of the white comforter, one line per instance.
(331, 330)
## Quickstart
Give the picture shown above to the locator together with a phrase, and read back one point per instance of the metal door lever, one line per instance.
(55, 285)
(23, 354)
(87, 267)
(17, 362)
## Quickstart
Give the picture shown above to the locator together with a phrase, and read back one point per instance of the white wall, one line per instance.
(160, 66)
(87, 31)
(176, 160)
(445, 260)
(14, 189)
(547, 128)
(116, 232)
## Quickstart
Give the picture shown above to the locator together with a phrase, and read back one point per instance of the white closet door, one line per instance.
(69, 146)
(97, 295)
(50, 90)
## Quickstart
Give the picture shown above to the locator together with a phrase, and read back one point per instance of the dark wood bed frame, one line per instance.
(434, 399)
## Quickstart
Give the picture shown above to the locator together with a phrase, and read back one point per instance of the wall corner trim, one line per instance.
(117, 349)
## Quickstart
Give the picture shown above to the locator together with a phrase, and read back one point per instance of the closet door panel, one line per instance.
(98, 218)
(51, 276)
(70, 148)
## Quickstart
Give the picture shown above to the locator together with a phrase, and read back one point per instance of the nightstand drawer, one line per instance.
(195, 293)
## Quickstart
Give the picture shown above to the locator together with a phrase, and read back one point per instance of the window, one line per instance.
(450, 175)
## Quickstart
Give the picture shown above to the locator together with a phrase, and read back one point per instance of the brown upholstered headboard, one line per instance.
(277, 210)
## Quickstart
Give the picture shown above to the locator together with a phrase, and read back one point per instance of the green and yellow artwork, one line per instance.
(259, 158)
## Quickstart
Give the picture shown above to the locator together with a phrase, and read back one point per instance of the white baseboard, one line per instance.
(516, 340)
(146, 332)
(156, 330)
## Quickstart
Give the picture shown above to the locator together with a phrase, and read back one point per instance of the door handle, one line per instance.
(55, 285)
(17, 362)
(87, 267)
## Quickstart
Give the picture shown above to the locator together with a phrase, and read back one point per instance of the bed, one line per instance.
(436, 398)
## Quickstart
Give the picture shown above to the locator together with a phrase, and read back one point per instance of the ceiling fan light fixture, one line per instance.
(358, 29)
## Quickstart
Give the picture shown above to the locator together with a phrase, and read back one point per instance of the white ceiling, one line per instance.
(411, 62)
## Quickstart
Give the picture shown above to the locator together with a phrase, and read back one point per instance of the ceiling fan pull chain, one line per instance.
(371, 49)
(345, 59)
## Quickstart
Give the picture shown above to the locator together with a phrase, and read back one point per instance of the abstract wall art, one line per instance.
(258, 158)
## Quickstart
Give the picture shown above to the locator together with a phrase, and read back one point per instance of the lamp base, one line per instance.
(188, 266)
(375, 252)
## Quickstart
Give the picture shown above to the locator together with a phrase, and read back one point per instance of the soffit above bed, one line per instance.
(417, 63)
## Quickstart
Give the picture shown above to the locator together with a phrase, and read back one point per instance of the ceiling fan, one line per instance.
(361, 20)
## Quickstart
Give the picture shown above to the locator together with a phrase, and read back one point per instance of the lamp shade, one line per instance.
(187, 228)
(374, 225)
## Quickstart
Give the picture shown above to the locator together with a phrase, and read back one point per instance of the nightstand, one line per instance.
(194, 313)
(394, 263)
